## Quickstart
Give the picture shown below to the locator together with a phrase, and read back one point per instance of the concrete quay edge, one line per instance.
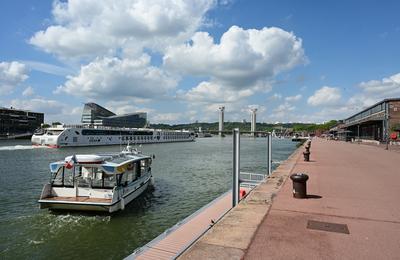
(230, 237)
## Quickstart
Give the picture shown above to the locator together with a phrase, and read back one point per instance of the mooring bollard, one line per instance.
(306, 156)
(299, 185)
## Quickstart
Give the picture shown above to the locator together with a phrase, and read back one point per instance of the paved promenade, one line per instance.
(351, 184)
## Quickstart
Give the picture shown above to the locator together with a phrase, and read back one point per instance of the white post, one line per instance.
(236, 167)
(221, 120)
(269, 152)
(253, 121)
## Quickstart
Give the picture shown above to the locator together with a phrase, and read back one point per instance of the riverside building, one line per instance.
(15, 122)
(375, 123)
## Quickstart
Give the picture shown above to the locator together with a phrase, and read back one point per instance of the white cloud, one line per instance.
(208, 92)
(11, 75)
(275, 96)
(47, 68)
(128, 106)
(241, 60)
(293, 98)
(114, 78)
(385, 88)
(243, 63)
(52, 107)
(29, 91)
(166, 117)
(87, 28)
(371, 92)
(53, 110)
(325, 96)
(283, 110)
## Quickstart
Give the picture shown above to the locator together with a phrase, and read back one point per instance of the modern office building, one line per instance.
(376, 122)
(16, 122)
(94, 114)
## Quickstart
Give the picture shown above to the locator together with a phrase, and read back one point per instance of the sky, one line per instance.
(179, 61)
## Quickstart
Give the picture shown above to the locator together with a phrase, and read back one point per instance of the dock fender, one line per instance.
(122, 203)
(152, 181)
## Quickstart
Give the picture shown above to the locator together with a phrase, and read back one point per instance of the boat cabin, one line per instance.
(96, 182)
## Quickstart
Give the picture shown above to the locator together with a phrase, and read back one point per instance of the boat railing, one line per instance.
(100, 127)
(250, 179)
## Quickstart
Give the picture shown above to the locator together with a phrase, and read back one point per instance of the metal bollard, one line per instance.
(306, 156)
(299, 185)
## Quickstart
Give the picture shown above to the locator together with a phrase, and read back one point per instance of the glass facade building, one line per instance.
(94, 114)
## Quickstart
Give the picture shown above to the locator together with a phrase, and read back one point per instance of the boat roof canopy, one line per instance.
(109, 163)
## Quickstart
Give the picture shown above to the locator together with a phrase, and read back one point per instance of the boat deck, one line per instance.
(79, 199)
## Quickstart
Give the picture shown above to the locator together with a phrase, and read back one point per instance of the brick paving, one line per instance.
(351, 184)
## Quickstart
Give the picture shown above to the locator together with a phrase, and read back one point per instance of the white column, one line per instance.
(221, 120)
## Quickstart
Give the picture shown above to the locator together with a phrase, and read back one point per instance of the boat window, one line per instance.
(97, 178)
(86, 176)
(138, 169)
(124, 179)
(58, 177)
(53, 132)
(63, 178)
(131, 169)
(109, 181)
(143, 165)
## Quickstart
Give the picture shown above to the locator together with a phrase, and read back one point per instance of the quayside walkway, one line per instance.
(350, 184)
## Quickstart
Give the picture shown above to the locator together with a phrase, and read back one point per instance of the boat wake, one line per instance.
(20, 147)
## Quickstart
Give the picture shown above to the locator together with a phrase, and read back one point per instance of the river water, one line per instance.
(187, 176)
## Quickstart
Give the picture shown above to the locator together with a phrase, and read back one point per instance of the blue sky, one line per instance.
(296, 61)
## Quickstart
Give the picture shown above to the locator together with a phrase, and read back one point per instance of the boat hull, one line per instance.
(73, 137)
(111, 207)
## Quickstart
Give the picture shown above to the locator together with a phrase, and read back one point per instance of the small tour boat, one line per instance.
(97, 182)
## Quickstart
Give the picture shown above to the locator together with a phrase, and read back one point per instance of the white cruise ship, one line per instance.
(100, 126)
(69, 136)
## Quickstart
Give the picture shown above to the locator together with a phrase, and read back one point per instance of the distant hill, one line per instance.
(229, 126)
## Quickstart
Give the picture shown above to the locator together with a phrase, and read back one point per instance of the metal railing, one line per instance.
(249, 179)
